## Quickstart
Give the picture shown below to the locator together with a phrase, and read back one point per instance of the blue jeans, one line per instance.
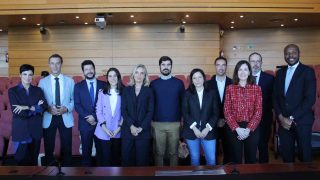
(209, 147)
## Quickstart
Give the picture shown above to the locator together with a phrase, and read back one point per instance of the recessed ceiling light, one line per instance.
(1, 30)
(134, 22)
(232, 22)
(132, 16)
(241, 16)
(232, 27)
(77, 17)
(252, 21)
(38, 24)
(85, 23)
(24, 18)
(183, 22)
(282, 25)
(296, 19)
(187, 15)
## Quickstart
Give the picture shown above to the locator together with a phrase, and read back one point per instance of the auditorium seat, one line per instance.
(208, 77)
(183, 79)
(6, 124)
(14, 80)
(77, 79)
(102, 78)
(6, 102)
(125, 80)
(270, 72)
(153, 77)
(75, 130)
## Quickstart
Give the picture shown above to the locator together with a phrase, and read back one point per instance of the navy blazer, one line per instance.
(266, 84)
(208, 113)
(137, 111)
(212, 84)
(300, 97)
(83, 104)
(27, 124)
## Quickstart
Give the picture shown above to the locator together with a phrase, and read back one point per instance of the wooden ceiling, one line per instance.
(224, 19)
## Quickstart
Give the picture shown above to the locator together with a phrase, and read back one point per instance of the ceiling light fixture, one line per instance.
(187, 15)
(38, 24)
(24, 18)
(241, 16)
(132, 16)
(296, 19)
(134, 22)
(1, 30)
(85, 23)
(232, 22)
(232, 27)
(77, 17)
(282, 25)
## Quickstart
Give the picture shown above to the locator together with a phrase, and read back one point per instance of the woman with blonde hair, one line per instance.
(137, 107)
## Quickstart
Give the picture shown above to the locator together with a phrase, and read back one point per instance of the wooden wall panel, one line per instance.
(122, 46)
(3, 50)
(238, 44)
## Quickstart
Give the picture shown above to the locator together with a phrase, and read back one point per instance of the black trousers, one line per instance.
(265, 128)
(87, 139)
(222, 140)
(135, 152)
(301, 134)
(65, 139)
(27, 154)
(109, 152)
(248, 147)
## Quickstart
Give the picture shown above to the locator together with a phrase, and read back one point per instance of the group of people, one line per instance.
(234, 115)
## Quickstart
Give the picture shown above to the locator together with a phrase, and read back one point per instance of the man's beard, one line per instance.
(87, 77)
(166, 73)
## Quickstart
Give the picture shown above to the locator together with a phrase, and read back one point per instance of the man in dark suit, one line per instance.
(294, 95)
(218, 84)
(85, 99)
(265, 81)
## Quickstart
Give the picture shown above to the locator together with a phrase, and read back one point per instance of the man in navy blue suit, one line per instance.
(294, 95)
(265, 81)
(85, 99)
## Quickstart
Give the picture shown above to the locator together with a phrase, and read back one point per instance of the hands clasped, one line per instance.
(200, 134)
(135, 130)
(243, 133)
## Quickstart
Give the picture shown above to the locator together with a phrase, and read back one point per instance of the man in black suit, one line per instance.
(294, 95)
(85, 99)
(265, 81)
(218, 84)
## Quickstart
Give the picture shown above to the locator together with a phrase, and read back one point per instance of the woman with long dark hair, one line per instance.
(200, 112)
(109, 117)
(243, 111)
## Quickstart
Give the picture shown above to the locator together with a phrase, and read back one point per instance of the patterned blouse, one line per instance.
(243, 104)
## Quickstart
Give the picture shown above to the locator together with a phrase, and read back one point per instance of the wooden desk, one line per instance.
(248, 172)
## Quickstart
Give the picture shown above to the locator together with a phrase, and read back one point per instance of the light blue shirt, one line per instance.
(289, 74)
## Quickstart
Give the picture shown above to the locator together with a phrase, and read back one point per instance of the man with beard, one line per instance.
(218, 84)
(294, 94)
(85, 99)
(265, 81)
(168, 92)
(58, 91)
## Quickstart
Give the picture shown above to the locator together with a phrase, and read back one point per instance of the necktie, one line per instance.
(255, 79)
(288, 79)
(91, 91)
(57, 95)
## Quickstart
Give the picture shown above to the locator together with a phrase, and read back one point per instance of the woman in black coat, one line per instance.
(137, 107)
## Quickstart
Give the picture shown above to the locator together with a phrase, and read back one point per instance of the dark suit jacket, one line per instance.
(137, 111)
(300, 97)
(212, 84)
(209, 113)
(27, 124)
(266, 84)
(83, 104)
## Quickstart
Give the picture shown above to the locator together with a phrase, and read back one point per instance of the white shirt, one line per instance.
(113, 100)
(257, 77)
(53, 87)
(221, 85)
(200, 95)
(94, 80)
